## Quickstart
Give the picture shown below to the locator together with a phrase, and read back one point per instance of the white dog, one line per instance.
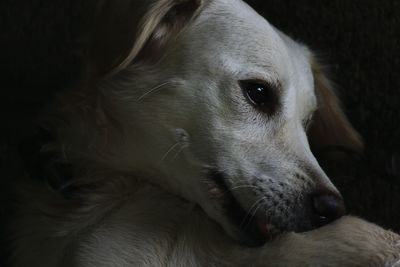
(188, 142)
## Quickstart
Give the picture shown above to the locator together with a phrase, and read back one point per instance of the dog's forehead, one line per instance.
(229, 36)
(236, 34)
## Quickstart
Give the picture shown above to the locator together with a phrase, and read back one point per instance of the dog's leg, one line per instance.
(149, 227)
(162, 230)
(347, 242)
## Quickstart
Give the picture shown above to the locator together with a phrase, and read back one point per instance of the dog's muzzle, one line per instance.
(256, 228)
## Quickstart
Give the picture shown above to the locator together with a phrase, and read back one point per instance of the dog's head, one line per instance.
(221, 108)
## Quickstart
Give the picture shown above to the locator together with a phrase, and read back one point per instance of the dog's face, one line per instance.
(218, 113)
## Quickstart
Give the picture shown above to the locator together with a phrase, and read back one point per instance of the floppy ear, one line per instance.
(331, 135)
(128, 31)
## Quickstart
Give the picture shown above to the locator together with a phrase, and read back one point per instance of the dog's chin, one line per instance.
(249, 230)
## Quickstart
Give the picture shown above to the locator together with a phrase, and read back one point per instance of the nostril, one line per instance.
(328, 208)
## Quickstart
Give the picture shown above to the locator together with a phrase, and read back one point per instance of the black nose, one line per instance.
(327, 208)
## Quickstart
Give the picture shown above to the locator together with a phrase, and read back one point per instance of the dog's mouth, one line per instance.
(254, 229)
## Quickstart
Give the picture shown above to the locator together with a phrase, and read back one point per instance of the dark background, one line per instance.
(42, 47)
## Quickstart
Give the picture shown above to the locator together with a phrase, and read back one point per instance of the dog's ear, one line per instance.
(330, 134)
(127, 31)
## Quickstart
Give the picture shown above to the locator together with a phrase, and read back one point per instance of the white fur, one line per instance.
(142, 140)
(194, 91)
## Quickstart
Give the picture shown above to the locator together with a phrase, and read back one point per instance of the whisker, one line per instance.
(152, 90)
(253, 214)
(170, 150)
(254, 206)
(239, 186)
(178, 152)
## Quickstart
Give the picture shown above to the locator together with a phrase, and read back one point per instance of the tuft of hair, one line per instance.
(135, 30)
(331, 134)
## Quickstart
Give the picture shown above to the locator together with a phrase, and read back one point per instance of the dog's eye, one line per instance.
(259, 93)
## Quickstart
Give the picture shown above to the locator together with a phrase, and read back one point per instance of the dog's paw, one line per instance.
(397, 261)
(347, 242)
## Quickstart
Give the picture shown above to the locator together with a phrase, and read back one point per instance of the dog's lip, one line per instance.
(264, 227)
(254, 229)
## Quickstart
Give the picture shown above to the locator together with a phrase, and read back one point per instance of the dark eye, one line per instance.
(260, 94)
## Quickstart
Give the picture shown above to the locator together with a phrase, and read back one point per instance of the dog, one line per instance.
(191, 142)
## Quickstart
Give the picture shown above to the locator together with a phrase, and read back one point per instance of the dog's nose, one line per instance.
(327, 208)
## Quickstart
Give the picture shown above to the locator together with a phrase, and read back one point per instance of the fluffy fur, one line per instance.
(164, 146)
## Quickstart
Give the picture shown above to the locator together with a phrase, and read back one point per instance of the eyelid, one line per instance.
(274, 85)
(272, 105)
